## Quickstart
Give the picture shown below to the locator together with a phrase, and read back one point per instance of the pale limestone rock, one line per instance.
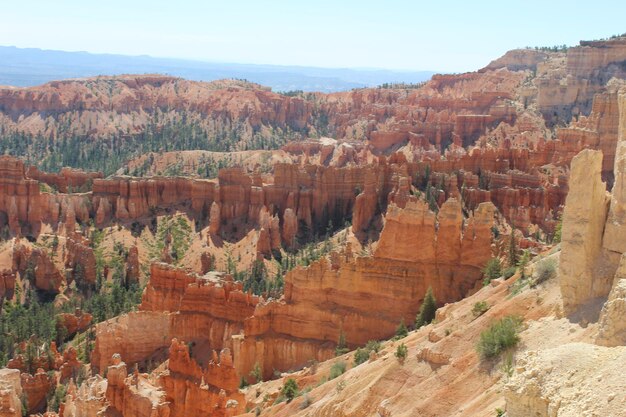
(434, 358)
(615, 232)
(583, 223)
(88, 400)
(612, 330)
(10, 393)
(571, 380)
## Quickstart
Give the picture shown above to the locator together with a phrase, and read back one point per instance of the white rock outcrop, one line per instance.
(572, 380)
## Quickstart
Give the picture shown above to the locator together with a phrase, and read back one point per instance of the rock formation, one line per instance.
(592, 227)
(612, 330)
(36, 389)
(290, 228)
(175, 304)
(132, 266)
(299, 324)
(193, 390)
(10, 393)
(19, 198)
(133, 395)
(567, 90)
(73, 323)
(67, 180)
(583, 224)
(81, 261)
(87, 400)
(614, 236)
(543, 387)
(7, 285)
(34, 264)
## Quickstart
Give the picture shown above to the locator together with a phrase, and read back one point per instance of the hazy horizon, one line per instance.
(26, 67)
(214, 61)
(400, 35)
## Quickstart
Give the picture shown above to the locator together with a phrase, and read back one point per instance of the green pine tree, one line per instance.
(402, 330)
(513, 258)
(341, 344)
(427, 309)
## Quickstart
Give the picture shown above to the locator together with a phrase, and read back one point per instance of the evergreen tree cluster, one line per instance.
(162, 133)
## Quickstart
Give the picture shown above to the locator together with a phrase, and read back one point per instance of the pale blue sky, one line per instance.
(447, 36)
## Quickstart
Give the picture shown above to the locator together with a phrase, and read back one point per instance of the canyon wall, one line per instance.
(566, 85)
(329, 297)
(417, 250)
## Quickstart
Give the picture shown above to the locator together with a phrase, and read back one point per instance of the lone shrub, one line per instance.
(427, 310)
(523, 262)
(509, 272)
(492, 270)
(513, 255)
(402, 330)
(373, 345)
(558, 231)
(290, 389)
(546, 269)
(337, 369)
(401, 352)
(501, 335)
(362, 354)
(480, 308)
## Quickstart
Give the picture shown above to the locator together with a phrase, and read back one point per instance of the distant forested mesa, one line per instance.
(109, 153)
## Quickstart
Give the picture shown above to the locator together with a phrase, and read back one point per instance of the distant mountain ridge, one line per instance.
(23, 67)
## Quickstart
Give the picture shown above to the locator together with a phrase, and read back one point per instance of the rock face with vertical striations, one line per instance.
(321, 302)
(615, 233)
(567, 84)
(593, 230)
(365, 205)
(7, 285)
(19, 198)
(583, 224)
(87, 400)
(194, 390)
(36, 389)
(133, 395)
(306, 323)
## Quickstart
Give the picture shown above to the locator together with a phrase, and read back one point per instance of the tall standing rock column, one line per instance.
(583, 224)
(614, 235)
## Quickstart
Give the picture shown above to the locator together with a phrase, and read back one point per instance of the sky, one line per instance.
(443, 36)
